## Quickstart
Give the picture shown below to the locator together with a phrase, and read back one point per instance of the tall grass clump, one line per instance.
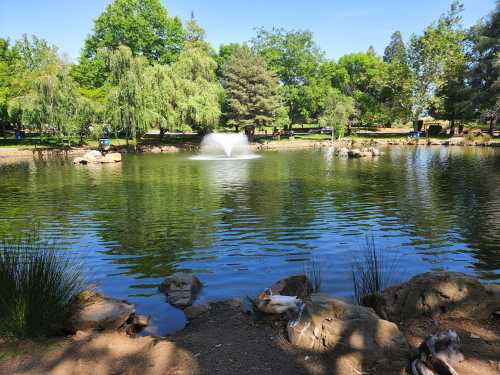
(372, 272)
(313, 274)
(38, 289)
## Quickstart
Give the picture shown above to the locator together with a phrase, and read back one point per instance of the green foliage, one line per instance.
(39, 290)
(142, 25)
(436, 56)
(485, 68)
(126, 101)
(296, 60)
(251, 90)
(339, 109)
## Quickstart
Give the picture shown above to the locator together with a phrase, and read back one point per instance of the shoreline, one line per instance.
(40, 153)
(225, 338)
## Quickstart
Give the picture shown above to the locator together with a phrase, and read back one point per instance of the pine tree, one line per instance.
(251, 90)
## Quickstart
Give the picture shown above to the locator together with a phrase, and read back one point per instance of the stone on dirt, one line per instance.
(102, 313)
(326, 324)
(436, 294)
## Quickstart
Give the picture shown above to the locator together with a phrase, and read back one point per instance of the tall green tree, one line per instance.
(296, 59)
(339, 110)
(436, 57)
(251, 90)
(396, 95)
(194, 76)
(127, 103)
(144, 26)
(485, 67)
(367, 76)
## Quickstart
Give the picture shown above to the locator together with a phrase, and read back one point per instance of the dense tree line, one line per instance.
(142, 69)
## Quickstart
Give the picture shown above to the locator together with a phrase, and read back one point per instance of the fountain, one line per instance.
(225, 146)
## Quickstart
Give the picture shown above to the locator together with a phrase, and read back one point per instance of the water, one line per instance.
(243, 224)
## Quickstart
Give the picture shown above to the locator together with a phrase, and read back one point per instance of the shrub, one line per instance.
(372, 272)
(38, 290)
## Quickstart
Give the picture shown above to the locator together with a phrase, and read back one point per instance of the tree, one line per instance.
(367, 76)
(296, 59)
(396, 49)
(485, 69)
(338, 111)
(398, 84)
(126, 106)
(225, 53)
(142, 25)
(435, 57)
(251, 90)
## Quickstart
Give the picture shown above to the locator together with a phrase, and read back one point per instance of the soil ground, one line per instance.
(229, 341)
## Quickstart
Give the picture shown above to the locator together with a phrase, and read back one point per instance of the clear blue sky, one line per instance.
(339, 26)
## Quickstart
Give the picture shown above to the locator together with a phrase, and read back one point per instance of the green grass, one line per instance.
(39, 289)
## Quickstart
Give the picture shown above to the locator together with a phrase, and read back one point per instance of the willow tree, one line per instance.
(163, 98)
(251, 90)
(194, 77)
(127, 103)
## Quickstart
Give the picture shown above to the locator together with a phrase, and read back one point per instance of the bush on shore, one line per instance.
(39, 290)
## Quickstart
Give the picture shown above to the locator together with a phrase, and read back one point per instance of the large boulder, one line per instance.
(436, 294)
(326, 324)
(102, 313)
(181, 289)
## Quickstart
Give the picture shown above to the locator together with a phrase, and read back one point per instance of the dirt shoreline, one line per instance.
(227, 340)
(23, 153)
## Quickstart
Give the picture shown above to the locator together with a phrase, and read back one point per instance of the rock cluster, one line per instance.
(95, 157)
(362, 153)
(181, 289)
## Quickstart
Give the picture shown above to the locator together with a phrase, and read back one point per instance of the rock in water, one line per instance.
(181, 289)
(103, 313)
(436, 294)
(326, 324)
(112, 157)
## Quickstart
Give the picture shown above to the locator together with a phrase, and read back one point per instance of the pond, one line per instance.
(241, 225)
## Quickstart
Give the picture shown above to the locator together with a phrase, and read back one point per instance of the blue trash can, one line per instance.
(19, 135)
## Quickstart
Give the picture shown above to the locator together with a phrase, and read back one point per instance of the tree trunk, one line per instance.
(460, 128)
(452, 127)
(162, 134)
(493, 123)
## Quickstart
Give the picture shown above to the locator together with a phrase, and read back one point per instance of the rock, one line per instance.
(155, 150)
(112, 157)
(103, 313)
(93, 156)
(296, 285)
(344, 152)
(236, 303)
(137, 323)
(181, 289)
(326, 324)
(80, 160)
(354, 153)
(436, 294)
(195, 311)
(374, 151)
